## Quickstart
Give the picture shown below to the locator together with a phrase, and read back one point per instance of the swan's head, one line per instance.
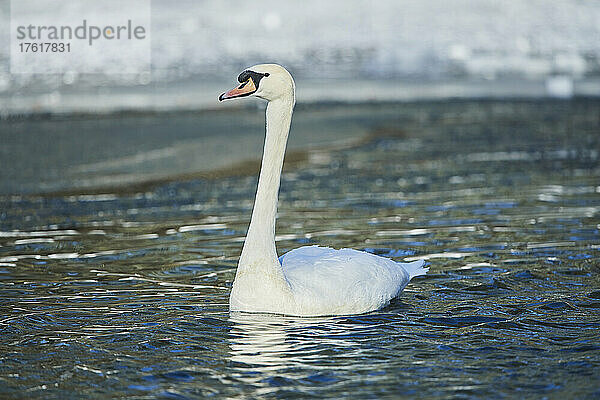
(267, 81)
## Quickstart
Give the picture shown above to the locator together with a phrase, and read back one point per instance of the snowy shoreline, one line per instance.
(199, 95)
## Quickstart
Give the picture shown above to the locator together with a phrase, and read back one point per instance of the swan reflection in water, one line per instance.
(268, 348)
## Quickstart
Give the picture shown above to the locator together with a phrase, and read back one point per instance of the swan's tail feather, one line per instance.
(415, 268)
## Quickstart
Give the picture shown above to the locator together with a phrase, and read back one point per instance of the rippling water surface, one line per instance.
(125, 294)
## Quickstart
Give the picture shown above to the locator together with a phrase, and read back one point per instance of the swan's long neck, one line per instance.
(259, 253)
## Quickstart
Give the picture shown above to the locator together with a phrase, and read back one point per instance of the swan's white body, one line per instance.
(308, 281)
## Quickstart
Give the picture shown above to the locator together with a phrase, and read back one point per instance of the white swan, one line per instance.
(308, 281)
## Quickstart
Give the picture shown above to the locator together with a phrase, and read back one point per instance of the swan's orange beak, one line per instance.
(245, 89)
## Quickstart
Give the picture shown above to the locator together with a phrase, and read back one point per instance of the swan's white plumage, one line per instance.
(325, 281)
(308, 281)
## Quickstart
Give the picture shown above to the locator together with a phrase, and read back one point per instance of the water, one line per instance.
(125, 293)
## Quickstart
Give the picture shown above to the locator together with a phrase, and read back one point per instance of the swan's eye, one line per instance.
(255, 76)
(267, 74)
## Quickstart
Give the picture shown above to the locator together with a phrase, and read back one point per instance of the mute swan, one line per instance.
(311, 280)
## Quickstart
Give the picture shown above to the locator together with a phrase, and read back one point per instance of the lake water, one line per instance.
(124, 292)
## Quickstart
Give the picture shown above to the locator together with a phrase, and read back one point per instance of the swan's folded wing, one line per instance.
(346, 280)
